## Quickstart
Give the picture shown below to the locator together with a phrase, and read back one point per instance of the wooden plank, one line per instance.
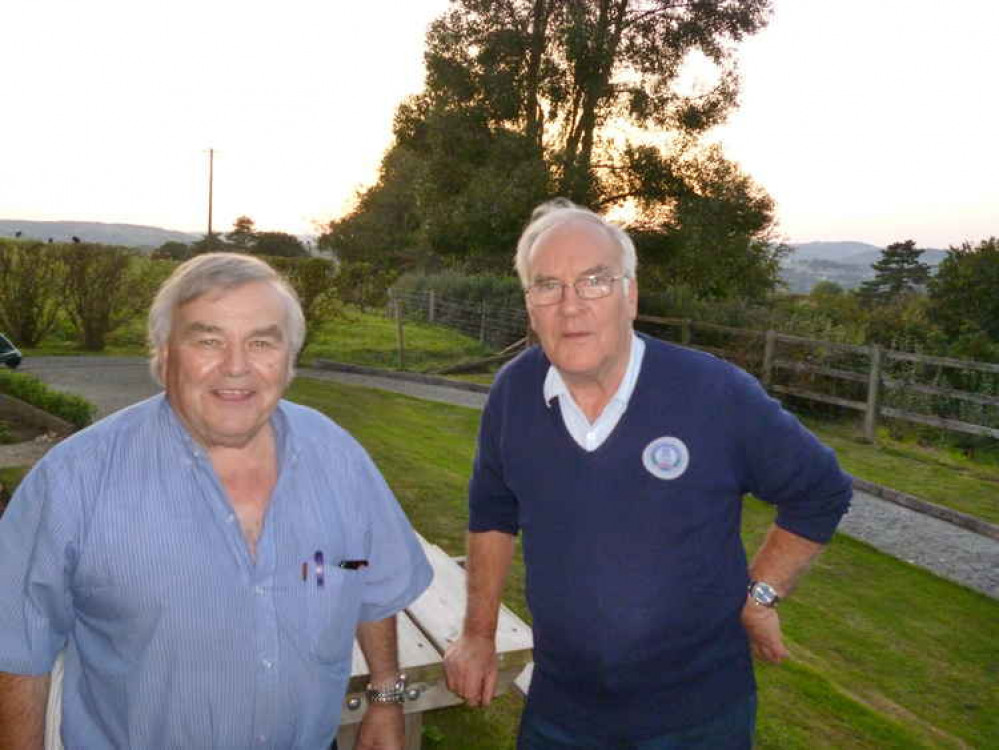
(523, 681)
(660, 321)
(440, 613)
(819, 343)
(727, 329)
(415, 652)
(801, 393)
(944, 424)
(961, 364)
(932, 390)
(858, 377)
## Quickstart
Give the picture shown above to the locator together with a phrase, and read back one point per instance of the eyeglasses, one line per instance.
(588, 287)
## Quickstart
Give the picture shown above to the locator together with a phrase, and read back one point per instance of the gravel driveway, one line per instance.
(947, 550)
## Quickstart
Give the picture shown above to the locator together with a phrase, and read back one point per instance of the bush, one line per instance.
(76, 410)
(9, 479)
(494, 291)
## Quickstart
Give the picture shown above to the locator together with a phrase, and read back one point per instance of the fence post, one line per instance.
(430, 307)
(873, 393)
(685, 331)
(482, 324)
(399, 334)
(769, 350)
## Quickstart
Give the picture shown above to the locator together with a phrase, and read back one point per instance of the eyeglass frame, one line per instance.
(575, 287)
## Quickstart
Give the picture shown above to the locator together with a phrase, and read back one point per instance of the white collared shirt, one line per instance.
(591, 436)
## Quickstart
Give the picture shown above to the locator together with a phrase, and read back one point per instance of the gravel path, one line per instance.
(947, 550)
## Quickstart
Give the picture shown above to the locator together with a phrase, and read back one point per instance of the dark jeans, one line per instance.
(733, 730)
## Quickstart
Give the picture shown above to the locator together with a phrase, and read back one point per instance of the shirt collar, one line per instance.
(284, 436)
(555, 386)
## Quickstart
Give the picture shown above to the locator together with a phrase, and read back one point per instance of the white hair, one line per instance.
(561, 211)
(218, 271)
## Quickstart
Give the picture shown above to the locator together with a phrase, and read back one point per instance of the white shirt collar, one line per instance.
(555, 386)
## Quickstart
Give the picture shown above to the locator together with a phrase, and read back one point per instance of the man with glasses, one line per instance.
(623, 460)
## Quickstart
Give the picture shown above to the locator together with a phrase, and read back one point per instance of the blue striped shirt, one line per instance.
(121, 547)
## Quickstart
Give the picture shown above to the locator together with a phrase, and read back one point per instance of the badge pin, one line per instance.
(666, 457)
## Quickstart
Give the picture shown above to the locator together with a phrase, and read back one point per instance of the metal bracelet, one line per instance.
(394, 694)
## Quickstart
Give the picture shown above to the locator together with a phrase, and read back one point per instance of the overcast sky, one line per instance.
(868, 120)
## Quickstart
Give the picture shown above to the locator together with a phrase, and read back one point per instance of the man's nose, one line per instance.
(571, 302)
(235, 362)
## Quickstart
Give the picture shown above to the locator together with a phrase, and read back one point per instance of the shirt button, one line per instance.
(230, 518)
(267, 663)
(259, 590)
(261, 739)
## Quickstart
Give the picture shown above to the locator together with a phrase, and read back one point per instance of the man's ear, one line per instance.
(633, 298)
(161, 362)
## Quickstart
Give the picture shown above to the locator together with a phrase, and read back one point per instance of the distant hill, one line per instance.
(848, 264)
(126, 235)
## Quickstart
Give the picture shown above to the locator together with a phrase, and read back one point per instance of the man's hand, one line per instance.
(382, 728)
(762, 624)
(472, 669)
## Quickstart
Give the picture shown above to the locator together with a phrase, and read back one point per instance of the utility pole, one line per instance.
(211, 178)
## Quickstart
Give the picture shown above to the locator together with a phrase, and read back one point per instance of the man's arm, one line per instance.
(470, 662)
(780, 561)
(23, 699)
(383, 725)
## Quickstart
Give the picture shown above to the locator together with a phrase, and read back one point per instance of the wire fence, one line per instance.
(493, 326)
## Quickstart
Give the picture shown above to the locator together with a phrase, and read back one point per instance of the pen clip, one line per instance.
(320, 572)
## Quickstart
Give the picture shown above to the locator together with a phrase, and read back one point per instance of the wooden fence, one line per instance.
(870, 371)
(867, 379)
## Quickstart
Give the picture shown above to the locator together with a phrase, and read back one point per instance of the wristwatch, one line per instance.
(393, 694)
(763, 593)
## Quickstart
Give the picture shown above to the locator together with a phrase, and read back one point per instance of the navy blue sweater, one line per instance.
(635, 582)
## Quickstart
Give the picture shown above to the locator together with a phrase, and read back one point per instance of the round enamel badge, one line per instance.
(666, 457)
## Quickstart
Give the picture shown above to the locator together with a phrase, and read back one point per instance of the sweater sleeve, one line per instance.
(786, 465)
(492, 505)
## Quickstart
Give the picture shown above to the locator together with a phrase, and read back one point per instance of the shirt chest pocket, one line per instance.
(320, 614)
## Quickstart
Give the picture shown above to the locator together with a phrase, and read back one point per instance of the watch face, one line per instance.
(764, 594)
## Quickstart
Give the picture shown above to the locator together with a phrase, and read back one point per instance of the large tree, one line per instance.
(898, 272)
(31, 278)
(965, 291)
(527, 99)
(104, 287)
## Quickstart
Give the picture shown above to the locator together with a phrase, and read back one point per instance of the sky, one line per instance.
(866, 120)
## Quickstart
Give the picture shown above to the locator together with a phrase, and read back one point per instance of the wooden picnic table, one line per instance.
(426, 628)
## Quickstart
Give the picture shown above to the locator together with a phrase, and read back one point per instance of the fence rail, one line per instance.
(870, 375)
(819, 370)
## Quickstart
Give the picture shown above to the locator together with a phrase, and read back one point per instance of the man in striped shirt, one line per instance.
(204, 558)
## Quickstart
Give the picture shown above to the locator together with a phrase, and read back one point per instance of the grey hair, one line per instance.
(211, 272)
(561, 211)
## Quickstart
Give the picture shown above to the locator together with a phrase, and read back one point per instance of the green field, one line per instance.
(886, 655)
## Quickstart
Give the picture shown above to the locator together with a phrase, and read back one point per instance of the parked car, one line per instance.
(9, 354)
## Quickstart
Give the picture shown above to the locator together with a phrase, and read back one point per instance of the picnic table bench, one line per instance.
(425, 628)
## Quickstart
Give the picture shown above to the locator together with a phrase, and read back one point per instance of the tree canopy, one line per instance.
(965, 290)
(898, 272)
(529, 99)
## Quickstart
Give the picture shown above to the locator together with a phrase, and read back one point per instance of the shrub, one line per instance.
(74, 409)
(494, 291)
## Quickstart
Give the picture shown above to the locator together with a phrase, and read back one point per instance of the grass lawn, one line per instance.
(371, 339)
(886, 655)
(930, 473)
